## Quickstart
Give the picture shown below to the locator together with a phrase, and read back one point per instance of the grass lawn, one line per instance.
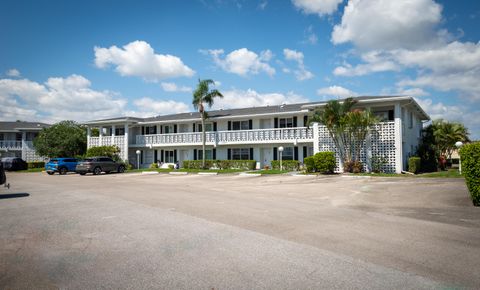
(166, 170)
(270, 171)
(31, 170)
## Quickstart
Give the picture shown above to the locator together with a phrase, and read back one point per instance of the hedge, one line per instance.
(414, 164)
(323, 162)
(290, 165)
(111, 151)
(470, 159)
(221, 164)
(36, 164)
(309, 163)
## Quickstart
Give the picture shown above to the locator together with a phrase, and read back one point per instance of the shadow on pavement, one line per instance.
(13, 195)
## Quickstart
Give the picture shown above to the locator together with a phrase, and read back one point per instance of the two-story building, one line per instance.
(16, 139)
(256, 133)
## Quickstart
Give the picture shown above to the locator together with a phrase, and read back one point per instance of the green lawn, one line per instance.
(166, 170)
(271, 171)
(31, 170)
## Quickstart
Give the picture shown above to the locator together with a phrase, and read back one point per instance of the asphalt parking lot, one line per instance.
(132, 231)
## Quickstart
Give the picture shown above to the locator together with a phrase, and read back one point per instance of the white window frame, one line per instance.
(208, 154)
(169, 156)
(288, 153)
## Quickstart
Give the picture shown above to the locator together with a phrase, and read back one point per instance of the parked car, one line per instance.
(97, 165)
(61, 165)
(14, 163)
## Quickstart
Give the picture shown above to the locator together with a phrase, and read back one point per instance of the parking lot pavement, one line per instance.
(237, 232)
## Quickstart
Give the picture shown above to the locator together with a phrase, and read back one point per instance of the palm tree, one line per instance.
(202, 96)
(333, 117)
(447, 134)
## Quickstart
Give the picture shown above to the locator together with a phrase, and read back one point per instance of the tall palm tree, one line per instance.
(447, 134)
(202, 96)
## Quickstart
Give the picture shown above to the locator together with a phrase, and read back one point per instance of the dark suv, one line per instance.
(97, 165)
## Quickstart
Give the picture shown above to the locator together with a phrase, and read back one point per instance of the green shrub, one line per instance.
(378, 162)
(171, 166)
(35, 164)
(222, 164)
(309, 163)
(290, 165)
(111, 151)
(154, 165)
(324, 162)
(470, 159)
(414, 164)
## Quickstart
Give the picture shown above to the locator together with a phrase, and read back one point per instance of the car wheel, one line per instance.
(62, 171)
(97, 171)
(50, 172)
(121, 169)
(82, 173)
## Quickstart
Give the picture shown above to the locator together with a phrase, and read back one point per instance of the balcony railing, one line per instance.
(107, 140)
(278, 135)
(11, 145)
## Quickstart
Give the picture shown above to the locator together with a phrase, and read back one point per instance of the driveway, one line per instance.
(237, 232)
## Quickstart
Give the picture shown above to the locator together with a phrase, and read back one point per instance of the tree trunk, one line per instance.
(203, 140)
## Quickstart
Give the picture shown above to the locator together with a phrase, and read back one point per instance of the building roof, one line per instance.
(22, 126)
(256, 111)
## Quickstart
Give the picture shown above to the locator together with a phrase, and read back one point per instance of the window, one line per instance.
(169, 156)
(105, 159)
(167, 129)
(2, 137)
(18, 136)
(241, 154)
(208, 154)
(240, 125)
(382, 116)
(150, 130)
(285, 122)
(287, 153)
(119, 131)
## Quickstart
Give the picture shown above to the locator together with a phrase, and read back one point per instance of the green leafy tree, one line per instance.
(204, 96)
(63, 139)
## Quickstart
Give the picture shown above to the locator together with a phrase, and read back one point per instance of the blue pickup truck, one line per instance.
(61, 165)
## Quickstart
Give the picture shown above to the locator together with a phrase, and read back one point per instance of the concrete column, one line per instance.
(398, 139)
(125, 146)
(316, 137)
(100, 135)
(89, 134)
(113, 135)
(368, 149)
(24, 146)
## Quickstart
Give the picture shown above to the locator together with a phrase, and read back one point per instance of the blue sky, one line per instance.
(94, 59)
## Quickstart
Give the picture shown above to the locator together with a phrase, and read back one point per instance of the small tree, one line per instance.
(63, 139)
(202, 96)
(347, 127)
(111, 151)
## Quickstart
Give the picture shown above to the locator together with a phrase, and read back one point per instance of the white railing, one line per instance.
(11, 145)
(279, 135)
(107, 140)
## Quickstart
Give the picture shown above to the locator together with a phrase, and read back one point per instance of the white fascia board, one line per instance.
(379, 100)
(110, 122)
(225, 117)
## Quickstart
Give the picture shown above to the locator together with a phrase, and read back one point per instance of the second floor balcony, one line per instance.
(257, 136)
(10, 145)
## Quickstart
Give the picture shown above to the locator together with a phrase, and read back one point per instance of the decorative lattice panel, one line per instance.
(382, 145)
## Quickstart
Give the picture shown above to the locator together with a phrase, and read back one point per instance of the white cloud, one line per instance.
(139, 59)
(262, 5)
(250, 98)
(172, 87)
(336, 91)
(148, 107)
(14, 73)
(310, 36)
(320, 7)
(385, 24)
(56, 99)
(242, 61)
(455, 113)
(301, 73)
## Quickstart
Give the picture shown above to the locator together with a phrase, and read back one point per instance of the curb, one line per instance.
(178, 173)
(207, 173)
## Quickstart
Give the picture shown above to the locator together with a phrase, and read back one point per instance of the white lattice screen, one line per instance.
(382, 145)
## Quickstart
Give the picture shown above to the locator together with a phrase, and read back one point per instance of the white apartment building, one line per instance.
(256, 133)
(16, 139)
